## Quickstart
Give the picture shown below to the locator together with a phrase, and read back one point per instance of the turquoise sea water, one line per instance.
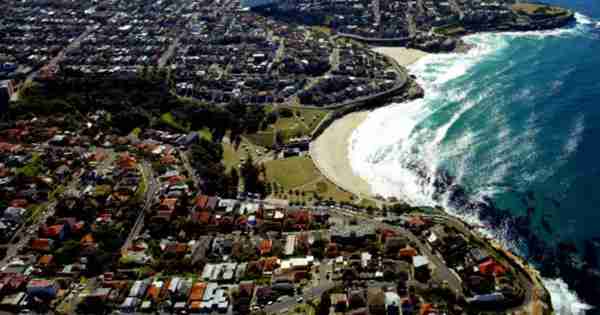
(516, 122)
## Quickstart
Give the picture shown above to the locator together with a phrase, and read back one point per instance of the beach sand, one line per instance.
(403, 56)
(330, 150)
(330, 154)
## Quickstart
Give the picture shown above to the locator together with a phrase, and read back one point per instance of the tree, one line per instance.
(286, 112)
(67, 252)
(109, 237)
(206, 160)
(233, 182)
(279, 140)
(325, 304)
(251, 175)
(126, 121)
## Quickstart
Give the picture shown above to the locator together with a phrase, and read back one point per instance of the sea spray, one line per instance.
(400, 149)
(564, 301)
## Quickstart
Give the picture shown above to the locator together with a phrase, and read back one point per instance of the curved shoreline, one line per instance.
(330, 154)
(330, 150)
(522, 262)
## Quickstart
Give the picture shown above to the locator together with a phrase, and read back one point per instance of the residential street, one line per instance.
(151, 191)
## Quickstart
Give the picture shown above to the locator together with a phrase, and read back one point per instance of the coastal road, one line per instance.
(529, 287)
(440, 269)
(443, 273)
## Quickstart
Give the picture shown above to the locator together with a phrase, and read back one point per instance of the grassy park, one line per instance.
(288, 122)
(298, 180)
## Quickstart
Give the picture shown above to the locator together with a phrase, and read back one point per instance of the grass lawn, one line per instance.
(169, 120)
(302, 178)
(264, 139)
(325, 31)
(533, 9)
(292, 172)
(302, 123)
(450, 30)
(140, 193)
(231, 158)
(205, 134)
(365, 203)
(327, 190)
(304, 309)
(136, 131)
(311, 117)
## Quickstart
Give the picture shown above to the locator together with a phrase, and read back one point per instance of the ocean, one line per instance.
(513, 124)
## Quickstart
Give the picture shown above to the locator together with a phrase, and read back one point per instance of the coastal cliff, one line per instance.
(447, 37)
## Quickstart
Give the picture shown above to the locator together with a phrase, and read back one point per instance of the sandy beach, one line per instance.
(330, 150)
(403, 56)
(330, 154)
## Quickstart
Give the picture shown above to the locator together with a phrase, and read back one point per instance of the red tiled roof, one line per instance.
(247, 288)
(87, 240)
(491, 267)
(269, 264)
(201, 217)
(153, 292)
(426, 309)
(54, 230)
(19, 203)
(201, 201)
(168, 159)
(408, 252)
(45, 260)
(416, 221)
(265, 246)
(197, 291)
(168, 203)
(40, 244)
(301, 216)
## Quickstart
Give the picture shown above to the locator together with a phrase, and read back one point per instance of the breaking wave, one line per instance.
(564, 301)
(400, 148)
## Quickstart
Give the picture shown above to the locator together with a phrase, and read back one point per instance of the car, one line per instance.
(270, 303)
(300, 299)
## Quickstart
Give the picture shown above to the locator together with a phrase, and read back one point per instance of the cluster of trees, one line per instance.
(206, 159)
(134, 102)
(253, 181)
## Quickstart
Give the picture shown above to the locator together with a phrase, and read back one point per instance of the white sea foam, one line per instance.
(391, 142)
(582, 25)
(575, 135)
(584, 19)
(564, 301)
(395, 137)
